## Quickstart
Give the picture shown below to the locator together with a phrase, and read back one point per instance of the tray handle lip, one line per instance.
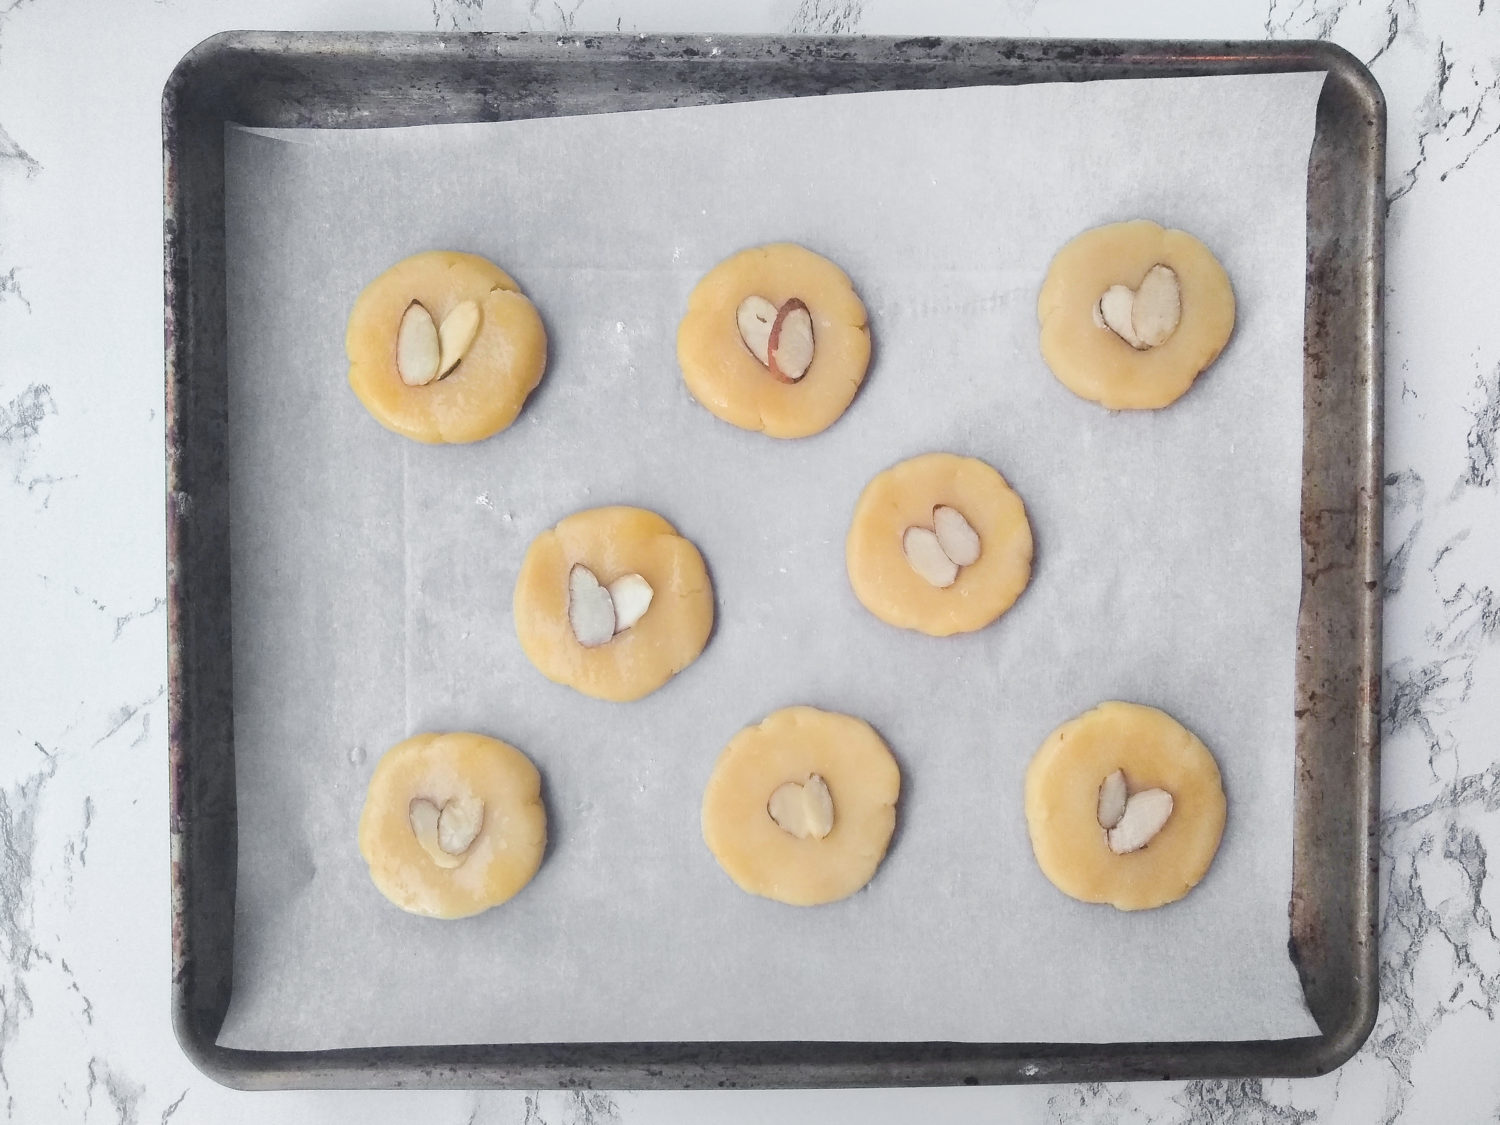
(472, 1066)
(1340, 1042)
(199, 59)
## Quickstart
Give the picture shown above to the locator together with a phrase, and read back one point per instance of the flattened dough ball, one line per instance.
(1154, 751)
(453, 824)
(883, 555)
(724, 375)
(498, 370)
(610, 545)
(829, 755)
(1093, 360)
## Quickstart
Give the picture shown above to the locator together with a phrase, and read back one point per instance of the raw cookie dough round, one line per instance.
(1095, 363)
(906, 495)
(613, 543)
(733, 384)
(1155, 751)
(791, 745)
(460, 768)
(484, 393)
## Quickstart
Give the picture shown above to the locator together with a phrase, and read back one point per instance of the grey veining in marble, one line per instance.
(826, 17)
(12, 152)
(83, 936)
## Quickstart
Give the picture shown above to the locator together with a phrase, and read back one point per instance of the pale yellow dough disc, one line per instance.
(485, 392)
(614, 542)
(789, 746)
(1093, 362)
(1062, 806)
(440, 768)
(725, 377)
(904, 496)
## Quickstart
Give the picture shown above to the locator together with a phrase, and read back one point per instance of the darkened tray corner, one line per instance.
(379, 79)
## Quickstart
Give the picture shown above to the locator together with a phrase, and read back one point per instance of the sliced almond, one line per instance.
(591, 611)
(804, 809)
(1112, 799)
(459, 824)
(1145, 813)
(417, 347)
(1144, 317)
(790, 347)
(755, 317)
(927, 557)
(455, 335)
(959, 540)
(1114, 312)
(425, 817)
(631, 596)
(819, 803)
(1158, 306)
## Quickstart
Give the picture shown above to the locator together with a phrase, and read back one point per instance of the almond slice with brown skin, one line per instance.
(927, 557)
(957, 537)
(1112, 797)
(591, 611)
(417, 348)
(805, 810)
(790, 346)
(755, 317)
(1145, 814)
(455, 335)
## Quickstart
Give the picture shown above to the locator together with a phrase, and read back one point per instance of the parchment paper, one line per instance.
(372, 576)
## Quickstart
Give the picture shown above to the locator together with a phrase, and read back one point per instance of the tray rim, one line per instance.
(726, 1064)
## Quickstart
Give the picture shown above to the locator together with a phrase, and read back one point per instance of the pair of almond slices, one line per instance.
(598, 613)
(426, 351)
(1144, 317)
(1131, 820)
(781, 338)
(446, 832)
(802, 809)
(938, 553)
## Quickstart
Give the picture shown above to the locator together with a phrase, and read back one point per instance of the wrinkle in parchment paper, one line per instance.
(372, 576)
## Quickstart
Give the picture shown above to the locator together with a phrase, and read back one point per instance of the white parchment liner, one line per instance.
(372, 576)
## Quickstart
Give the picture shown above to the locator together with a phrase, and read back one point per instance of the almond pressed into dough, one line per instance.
(1154, 751)
(1097, 364)
(462, 768)
(792, 746)
(502, 365)
(906, 495)
(733, 384)
(613, 543)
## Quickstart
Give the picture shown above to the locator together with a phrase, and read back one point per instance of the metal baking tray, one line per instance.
(357, 80)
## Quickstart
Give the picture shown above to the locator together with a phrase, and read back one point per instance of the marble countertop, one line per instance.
(84, 925)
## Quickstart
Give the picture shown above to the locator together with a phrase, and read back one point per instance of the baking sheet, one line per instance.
(372, 577)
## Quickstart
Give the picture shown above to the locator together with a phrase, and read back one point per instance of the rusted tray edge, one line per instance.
(267, 78)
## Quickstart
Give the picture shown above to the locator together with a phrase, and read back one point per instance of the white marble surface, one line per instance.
(84, 1032)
